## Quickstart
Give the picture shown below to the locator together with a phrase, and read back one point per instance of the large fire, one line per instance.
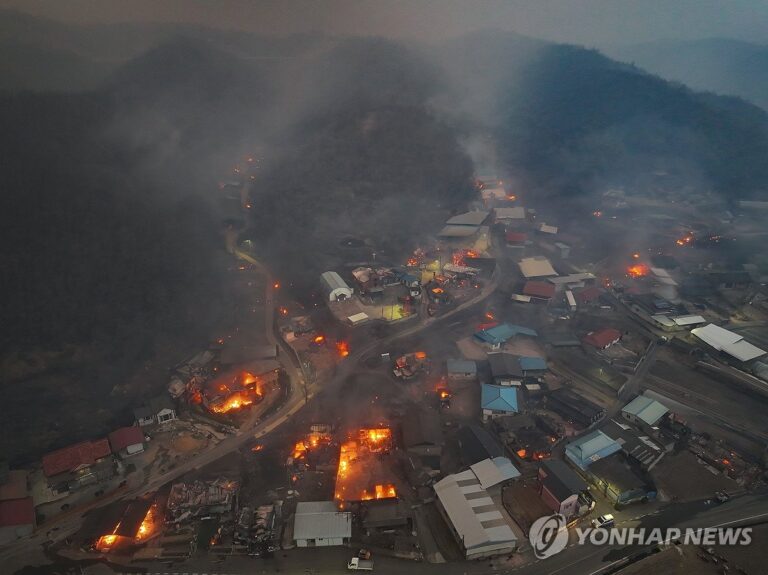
(637, 270)
(234, 401)
(342, 347)
(459, 257)
(147, 526)
(239, 398)
(312, 441)
(356, 477)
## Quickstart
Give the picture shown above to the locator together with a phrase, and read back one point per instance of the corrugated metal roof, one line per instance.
(727, 341)
(321, 520)
(491, 472)
(453, 231)
(461, 366)
(514, 213)
(532, 363)
(498, 398)
(333, 281)
(468, 219)
(591, 448)
(646, 409)
(538, 266)
(688, 319)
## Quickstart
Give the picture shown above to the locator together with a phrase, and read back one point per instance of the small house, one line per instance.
(127, 441)
(158, 410)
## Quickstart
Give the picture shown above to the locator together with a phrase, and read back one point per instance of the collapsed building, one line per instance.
(238, 387)
(361, 474)
(199, 498)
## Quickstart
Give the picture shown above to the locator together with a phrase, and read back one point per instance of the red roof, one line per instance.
(588, 294)
(17, 512)
(515, 237)
(125, 436)
(603, 338)
(72, 457)
(489, 325)
(539, 289)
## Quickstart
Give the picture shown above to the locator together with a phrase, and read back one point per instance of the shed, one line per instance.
(336, 289)
(644, 410)
(461, 369)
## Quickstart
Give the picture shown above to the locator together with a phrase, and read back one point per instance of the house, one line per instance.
(532, 366)
(590, 448)
(574, 408)
(539, 290)
(336, 289)
(476, 444)
(619, 482)
(127, 441)
(496, 336)
(422, 433)
(461, 369)
(17, 519)
(159, 409)
(637, 445)
(505, 368)
(535, 267)
(77, 465)
(644, 411)
(602, 339)
(498, 400)
(320, 524)
(479, 522)
(728, 342)
(562, 489)
(588, 296)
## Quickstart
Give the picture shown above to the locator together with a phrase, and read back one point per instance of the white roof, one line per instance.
(514, 213)
(688, 319)
(569, 297)
(727, 341)
(547, 229)
(571, 278)
(496, 192)
(468, 219)
(472, 512)
(358, 317)
(452, 231)
(535, 267)
(491, 472)
(663, 320)
(520, 297)
(333, 281)
(321, 520)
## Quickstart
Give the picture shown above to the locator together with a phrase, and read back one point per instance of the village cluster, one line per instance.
(552, 382)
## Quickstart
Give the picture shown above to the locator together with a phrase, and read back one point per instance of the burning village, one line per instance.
(460, 350)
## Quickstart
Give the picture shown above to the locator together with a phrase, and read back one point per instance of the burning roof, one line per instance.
(361, 475)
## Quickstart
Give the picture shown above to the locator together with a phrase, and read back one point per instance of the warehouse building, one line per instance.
(336, 289)
(320, 524)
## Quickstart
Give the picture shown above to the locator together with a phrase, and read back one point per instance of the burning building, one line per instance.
(361, 474)
(239, 387)
(410, 365)
(123, 525)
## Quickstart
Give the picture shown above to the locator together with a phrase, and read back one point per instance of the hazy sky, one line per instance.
(589, 22)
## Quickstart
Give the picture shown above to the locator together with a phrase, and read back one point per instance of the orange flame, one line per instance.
(319, 339)
(342, 347)
(637, 270)
(233, 402)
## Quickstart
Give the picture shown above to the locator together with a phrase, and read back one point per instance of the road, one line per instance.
(574, 560)
(28, 550)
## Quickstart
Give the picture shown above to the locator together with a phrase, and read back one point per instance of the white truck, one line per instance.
(357, 564)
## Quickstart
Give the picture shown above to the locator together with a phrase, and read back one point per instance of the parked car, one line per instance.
(604, 522)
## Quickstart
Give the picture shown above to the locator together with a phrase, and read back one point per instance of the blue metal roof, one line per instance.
(498, 398)
(532, 364)
(590, 448)
(503, 332)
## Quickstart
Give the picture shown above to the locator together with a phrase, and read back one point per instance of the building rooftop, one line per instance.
(559, 479)
(125, 436)
(513, 213)
(468, 219)
(617, 473)
(461, 366)
(646, 409)
(72, 457)
(539, 289)
(477, 444)
(591, 447)
(602, 338)
(728, 342)
(321, 520)
(537, 266)
(516, 236)
(491, 472)
(634, 442)
(453, 231)
(499, 398)
(503, 332)
(528, 363)
(571, 278)
(421, 427)
(473, 514)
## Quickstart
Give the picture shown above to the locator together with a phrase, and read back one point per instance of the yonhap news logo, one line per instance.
(549, 535)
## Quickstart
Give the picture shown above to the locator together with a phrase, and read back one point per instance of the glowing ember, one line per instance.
(444, 394)
(438, 290)
(636, 256)
(376, 439)
(276, 285)
(511, 197)
(597, 213)
(342, 347)
(489, 315)
(106, 541)
(459, 256)
(319, 339)
(685, 240)
(420, 355)
(257, 447)
(521, 453)
(637, 270)
(283, 310)
(413, 262)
